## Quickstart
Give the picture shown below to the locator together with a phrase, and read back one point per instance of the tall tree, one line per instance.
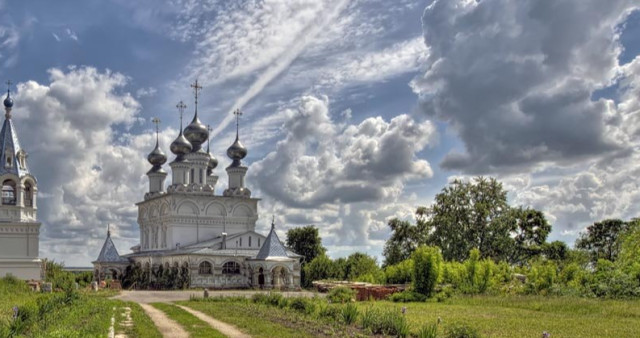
(528, 230)
(469, 215)
(404, 239)
(306, 241)
(601, 239)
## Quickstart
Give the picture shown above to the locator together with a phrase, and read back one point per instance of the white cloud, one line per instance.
(348, 178)
(71, 34)
(68, 128)
(146, 92)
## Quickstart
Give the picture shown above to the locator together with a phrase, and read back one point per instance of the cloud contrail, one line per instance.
(282, 62)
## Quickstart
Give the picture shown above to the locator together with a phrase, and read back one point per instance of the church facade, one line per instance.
(19, 227)
(188, 227)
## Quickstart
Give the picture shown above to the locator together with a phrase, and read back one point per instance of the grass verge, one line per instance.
(196, 327)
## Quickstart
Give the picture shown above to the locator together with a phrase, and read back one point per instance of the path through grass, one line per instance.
(193, 325)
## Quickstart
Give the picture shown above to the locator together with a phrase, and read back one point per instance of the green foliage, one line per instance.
(306, 241)
(320, 268)
(541, 277)
(405, 238)
(359, 265)
(401, 273)
(556, 250)
(610, 282)
(302, 304)
(341, 294)
(59, 279)
(349, 314)
(428, 331)
(460, 331)
(427, 264)
(602, 240)
(407, 296)
(389, 322)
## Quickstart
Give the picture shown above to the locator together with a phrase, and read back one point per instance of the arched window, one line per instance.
(28, 194)
(9, 192)
(205, 268)
(191, 178)
(201, 177)
(231, 268)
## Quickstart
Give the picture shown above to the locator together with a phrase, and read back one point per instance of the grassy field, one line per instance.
(528, 316)
(60, 314)
(193, 325)
(261, 320)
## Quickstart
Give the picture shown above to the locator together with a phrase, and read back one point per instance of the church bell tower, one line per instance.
(19, 228)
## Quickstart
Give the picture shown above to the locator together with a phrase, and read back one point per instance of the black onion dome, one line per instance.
(180, 147)
(236, 152)
(213, 162)
(157, 157)
(8, 101)
(196, 133)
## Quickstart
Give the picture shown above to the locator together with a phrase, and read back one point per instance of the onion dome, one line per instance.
(236, 152)
(180, 147)
(196, 133)
(157, 158)
(8, 101)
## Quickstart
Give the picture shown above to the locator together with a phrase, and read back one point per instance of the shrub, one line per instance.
(427, 262)
(341, 294)
(461, 331)
(302, 304)
(428, 331)
(407, 296)
(349, 313)
(386, 322)
(400, 273)
(260, 298)
(333, 312)
(276, 299)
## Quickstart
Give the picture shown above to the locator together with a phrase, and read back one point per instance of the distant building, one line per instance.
(19, 227)
(190, 228)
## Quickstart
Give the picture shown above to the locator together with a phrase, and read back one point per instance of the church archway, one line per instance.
(261, 278)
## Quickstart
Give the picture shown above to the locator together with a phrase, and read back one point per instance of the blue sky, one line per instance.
(355, 111)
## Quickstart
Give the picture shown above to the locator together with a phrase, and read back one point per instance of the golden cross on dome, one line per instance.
(196, 88)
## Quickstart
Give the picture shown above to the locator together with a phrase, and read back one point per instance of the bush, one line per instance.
(427, 263)
(260, 298)
(341, 294)
(303, 305)
(407, 297)
(276, 299)
(386, 322)
(400, 273)
(428, 331)
(461, 331)
(349, 313)
(333, 312)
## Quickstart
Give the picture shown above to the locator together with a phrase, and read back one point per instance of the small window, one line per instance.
(28, 195)
(9, 162)
(201, 176)
(9, 192)
(205, 268)
(249, 241)
(258, 241)
(192, 174)
(240, 241)
(231, 268)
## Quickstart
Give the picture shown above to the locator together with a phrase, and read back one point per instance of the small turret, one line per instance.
(181, 146)
(236, 170)
(156, 158)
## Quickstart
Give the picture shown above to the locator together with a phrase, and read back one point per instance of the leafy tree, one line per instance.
(427, 264)
(405, 238)
(556, 250)
(601, 239)
(321, 267)
(306, 241)
(360, 264)
(529, 230)
(469, 215)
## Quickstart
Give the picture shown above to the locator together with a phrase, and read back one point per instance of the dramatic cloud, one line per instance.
(78, 158)
(338, 174)
(516, 79)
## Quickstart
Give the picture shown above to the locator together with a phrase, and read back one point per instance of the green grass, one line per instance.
(196, 327)
(142, 325)
(527, 316)
(257, 320)
(82, 314)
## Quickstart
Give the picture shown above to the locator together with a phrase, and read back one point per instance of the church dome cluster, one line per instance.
(192, 166)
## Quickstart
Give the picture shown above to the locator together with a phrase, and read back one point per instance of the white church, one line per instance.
(190, 227)
(19, 227)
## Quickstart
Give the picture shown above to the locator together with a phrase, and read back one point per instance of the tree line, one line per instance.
(470, 240)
